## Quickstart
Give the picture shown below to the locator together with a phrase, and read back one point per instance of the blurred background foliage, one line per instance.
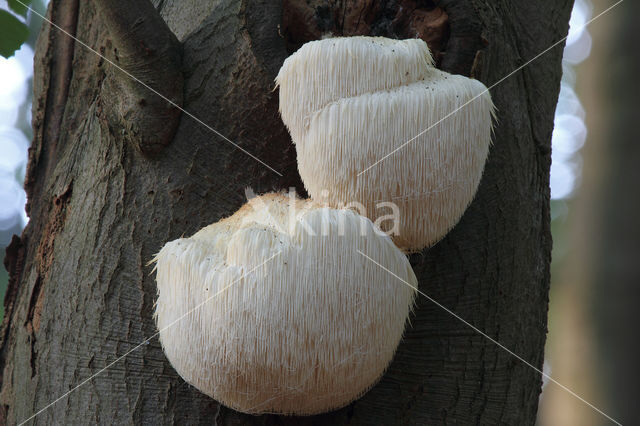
(596, 252)
(18, 32)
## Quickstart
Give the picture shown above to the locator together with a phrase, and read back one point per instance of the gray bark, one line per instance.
(81, 294)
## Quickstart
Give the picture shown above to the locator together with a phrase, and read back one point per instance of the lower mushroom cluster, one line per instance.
(275, 310)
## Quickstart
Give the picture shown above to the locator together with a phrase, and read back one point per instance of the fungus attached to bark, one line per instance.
(350, 102)
(274, 310)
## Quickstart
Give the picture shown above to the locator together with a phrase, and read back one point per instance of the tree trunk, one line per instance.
(81, 293)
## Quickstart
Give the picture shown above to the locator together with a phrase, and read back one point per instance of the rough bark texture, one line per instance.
(81, 294)
(145, 48)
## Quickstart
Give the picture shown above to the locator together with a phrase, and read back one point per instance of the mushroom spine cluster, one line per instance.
(275, 309)
(374, 121)
(298, 321)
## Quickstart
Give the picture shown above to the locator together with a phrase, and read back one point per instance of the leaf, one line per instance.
(19, 6)
(12, 33)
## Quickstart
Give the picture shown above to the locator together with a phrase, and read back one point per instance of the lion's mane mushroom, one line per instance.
(264, 316)
(349, 102)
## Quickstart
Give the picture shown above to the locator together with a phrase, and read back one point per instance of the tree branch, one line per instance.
(144, 47)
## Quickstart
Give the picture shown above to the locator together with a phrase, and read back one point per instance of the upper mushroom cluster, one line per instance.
(277, 308)
(374, 121)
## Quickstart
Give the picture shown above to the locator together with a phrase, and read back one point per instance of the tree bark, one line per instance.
(81, 293)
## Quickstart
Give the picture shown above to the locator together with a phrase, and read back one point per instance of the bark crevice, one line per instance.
(145, 48)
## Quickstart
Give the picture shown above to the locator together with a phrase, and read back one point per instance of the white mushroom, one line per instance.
(264, 316)
(349, 102)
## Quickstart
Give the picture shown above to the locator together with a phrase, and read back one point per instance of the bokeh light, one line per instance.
(15, 75)
(570, 131)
